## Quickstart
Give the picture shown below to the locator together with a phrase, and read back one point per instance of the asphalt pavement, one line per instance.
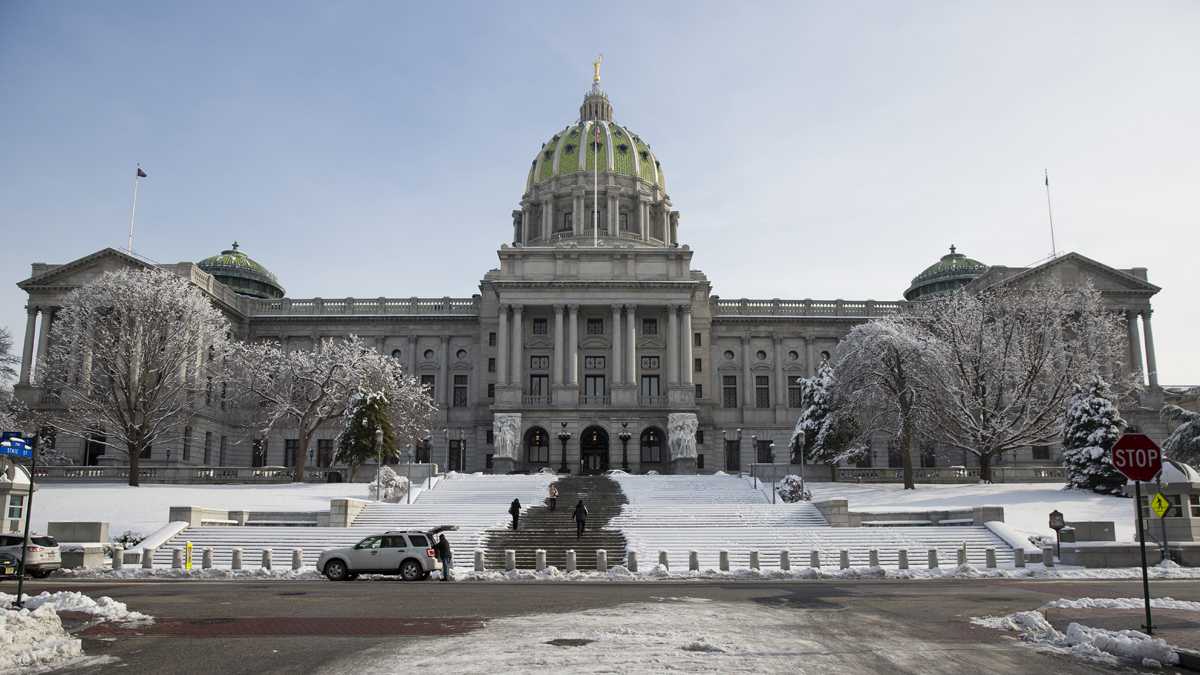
(309, 626)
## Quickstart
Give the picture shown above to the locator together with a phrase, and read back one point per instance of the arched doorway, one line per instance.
(593, 451)
(537, 447)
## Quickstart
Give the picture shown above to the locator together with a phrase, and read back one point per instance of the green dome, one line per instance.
(241, 273)
(574, 149)
(945, 276)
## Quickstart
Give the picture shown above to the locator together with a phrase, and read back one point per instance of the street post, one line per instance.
(1139, 458)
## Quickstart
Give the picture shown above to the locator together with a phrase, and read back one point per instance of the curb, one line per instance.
(1188, 658)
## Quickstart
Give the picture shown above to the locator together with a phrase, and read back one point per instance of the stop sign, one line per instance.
(1137, 456)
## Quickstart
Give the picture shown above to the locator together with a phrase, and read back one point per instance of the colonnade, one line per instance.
(43, 339)
(1135, 345)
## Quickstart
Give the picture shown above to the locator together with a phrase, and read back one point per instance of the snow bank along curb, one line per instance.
(33, 638)
(105, 609)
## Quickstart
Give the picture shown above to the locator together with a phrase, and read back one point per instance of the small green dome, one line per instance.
(242, 273)
(945, 276)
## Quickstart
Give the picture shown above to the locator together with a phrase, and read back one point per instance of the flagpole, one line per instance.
(132, 213)
(596, 186)
(1050, 211)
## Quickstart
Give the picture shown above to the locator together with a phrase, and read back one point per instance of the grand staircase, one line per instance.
(554, 531)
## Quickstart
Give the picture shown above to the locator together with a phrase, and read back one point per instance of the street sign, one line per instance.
(1160, 505)
(1137, 456)
(12, 444)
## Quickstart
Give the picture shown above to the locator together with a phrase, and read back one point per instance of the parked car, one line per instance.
(408, 553)
(43, 551)
(8, 565)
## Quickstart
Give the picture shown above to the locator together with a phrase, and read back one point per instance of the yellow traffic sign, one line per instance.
(1160, 505)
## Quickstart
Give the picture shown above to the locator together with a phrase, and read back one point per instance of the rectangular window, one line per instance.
(699, 437)
(221, 451)
(650, 363)
(700, 460)
(208, 448)
(928, 456)
(429, 384)
(649, 326)
(324, 452)
(491, 339)
(762, 391)
(539, 385)
(290, 447)
(595, 326)
(625, 221)
(795, 393)
(1194, 502)
(490, 437)
(593, 363)
(16, 509)
(258, 453)
(565, 225)
(697, 340)
(699, 391)
(1041, 452)
(729, 391)
(698, 365)
(187, 444)
(650, 385)
(593, 385)
(539, 362)
(488, 462)
(491, 390)
(764, 451)
(460, 391)
(540, 327)
(492, 364)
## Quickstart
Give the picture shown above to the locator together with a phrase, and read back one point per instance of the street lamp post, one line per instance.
(798, 448)
(624, 436)
(379, 471)
(753, 468)
(408, 459)
(564, 436)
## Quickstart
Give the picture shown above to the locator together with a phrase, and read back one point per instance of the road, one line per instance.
(390, 626)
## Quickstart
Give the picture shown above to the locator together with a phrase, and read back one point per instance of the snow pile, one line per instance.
(791, 490)
(34, 639)
(1124, 647)
(393, 485)
(105, 609)
(254, 574)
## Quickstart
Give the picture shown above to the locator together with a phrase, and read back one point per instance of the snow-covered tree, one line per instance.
(388, 486)
(9, 362)
(791, 490)
(828, 432)
(1092, 425)
(886, 372)
(367, 412)
(126, 357)
(304, 389)
(1183, 444)
(1010, 359)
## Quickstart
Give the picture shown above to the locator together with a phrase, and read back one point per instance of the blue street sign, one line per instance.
(12, 444)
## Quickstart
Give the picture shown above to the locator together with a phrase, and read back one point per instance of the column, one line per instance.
(27, 352)
(573, 345)
(412, 355)
(559, 354)
(781, 395)
(547, 219)
(502, 348)
(1135, 346)
(444, 374)
(810, 356)
(631, 345)
(44, 338)
(576, 214)
(666, 224)
(526, 223)
(1151, 362)
(686, 369)
(518, 341)
(672, 345)
(747, 383)
(641, 218)
(616, 344)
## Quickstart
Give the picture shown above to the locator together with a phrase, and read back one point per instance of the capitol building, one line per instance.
(591, 340)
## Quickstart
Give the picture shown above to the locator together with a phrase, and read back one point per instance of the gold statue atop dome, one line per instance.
(596, 69)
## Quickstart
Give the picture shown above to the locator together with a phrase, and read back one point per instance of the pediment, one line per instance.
(83, 270)
(1072, 269)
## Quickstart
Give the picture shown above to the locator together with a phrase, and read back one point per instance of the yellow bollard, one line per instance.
(187, 556)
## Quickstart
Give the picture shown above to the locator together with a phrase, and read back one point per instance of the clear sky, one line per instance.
(820, 151)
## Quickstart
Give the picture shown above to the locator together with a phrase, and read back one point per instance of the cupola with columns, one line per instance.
(570, 197)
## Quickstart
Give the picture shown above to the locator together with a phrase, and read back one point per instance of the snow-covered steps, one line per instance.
(707, 489)
(479, 489)
(718, 515)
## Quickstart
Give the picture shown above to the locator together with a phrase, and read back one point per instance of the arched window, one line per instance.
(537, 446)
(652, 445)
(396, 354)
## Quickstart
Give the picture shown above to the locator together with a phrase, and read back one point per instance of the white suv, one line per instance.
(409, 553)
(44, 554)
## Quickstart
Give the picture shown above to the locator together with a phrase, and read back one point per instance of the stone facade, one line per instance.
(594, 326)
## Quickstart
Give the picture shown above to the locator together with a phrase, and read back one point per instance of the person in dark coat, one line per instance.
(581, 514)
(515, 510)
(446, 556)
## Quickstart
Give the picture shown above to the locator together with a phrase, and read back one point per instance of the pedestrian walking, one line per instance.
(515, 510)
(552, 497)
(581, 514)
(446, 556)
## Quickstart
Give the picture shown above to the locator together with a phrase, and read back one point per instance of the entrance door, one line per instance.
(733, 460)
(455, 460)
(593, 451)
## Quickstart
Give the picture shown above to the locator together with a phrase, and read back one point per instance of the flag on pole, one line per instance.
(1047, 179)
(141, 173)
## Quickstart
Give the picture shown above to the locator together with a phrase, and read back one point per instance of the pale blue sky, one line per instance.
(823, 150)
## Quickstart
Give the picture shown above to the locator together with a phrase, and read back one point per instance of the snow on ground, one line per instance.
(1027, 506)
(144, 509)
(1099, 645)
(33, 639)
